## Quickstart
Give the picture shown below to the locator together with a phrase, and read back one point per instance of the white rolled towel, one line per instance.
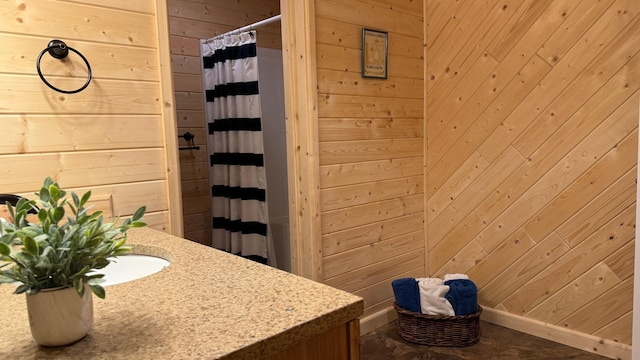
(430, 281)
(432, 297)
(448, 277)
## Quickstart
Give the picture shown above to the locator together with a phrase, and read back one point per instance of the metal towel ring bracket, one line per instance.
(59, 50)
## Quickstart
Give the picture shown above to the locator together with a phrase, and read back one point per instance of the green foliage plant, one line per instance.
(62, 249)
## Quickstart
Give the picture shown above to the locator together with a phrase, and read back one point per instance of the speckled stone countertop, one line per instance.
(206, 305)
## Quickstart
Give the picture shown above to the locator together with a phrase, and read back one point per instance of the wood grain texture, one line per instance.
(615, 28)
(359, 172)
(367, 235)
(372, 14)
(27, 94)
(465, 259)
(126, 198)
(471, 62)
(24, 172)
(143, 6)
(339, 343)
(364, 256)
(352, 195)
(383, 270)
(612, 305)
(371, 142)
(32, 133)
(340, 152)
(618, 329)
(589, 286)
(300, 89)
(519, 273)
(532, 132)
(108, 25)
(343, 58)
(109, 61)
(342, 219)
(602, 208)
(368, 129)
(109, 138)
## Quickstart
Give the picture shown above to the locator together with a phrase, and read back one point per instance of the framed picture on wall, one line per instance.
(374, 53)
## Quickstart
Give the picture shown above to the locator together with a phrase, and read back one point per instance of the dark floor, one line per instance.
(496, 342)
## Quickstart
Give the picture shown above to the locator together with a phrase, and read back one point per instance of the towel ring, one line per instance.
(59, 50)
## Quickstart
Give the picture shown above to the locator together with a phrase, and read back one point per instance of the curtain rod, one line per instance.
(248, 27)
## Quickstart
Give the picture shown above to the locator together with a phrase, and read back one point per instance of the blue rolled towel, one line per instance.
(407, 294)
(463, 296)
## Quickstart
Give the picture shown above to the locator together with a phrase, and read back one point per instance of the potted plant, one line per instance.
(53, 260)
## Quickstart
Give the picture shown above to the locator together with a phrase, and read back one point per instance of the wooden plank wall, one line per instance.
(109, 137)
(370, 149)
(189, 21)
(532, 114)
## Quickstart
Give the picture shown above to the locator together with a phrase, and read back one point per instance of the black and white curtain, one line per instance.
(235, 145)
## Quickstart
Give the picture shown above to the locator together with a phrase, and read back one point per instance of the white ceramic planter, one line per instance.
(59, 316)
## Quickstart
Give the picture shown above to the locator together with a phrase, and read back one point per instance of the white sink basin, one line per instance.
(130, 267)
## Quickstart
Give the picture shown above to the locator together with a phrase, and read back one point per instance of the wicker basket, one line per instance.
(439, 330)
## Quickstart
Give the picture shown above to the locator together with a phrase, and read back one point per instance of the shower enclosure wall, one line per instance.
(273, 128)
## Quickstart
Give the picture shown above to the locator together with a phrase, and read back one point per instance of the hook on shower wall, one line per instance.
(189, 137)
(59, 50)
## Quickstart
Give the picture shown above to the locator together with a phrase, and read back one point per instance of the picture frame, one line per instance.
(374, 53)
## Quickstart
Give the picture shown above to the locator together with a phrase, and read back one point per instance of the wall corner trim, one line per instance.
(168, 112)
(536, 328)
(300, 86)
(557, 334)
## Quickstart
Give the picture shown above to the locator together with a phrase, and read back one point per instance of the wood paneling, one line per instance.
(384, 270)
(109, 61)
(371, 143)
(80, 21)
(300, 89)
(349, 196)
(532, 115)
(32, 133)
(189, 21)
(340, 343)
(123, 198)
(375, 14)
(25, 94)
(24, 172)
(360, 172)
(367, 255)
(109, 138)
(366, 235)
(575, 79)
(143, 6)
(528, 131)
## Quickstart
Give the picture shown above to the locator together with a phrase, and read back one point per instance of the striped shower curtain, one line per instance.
(235, 148)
